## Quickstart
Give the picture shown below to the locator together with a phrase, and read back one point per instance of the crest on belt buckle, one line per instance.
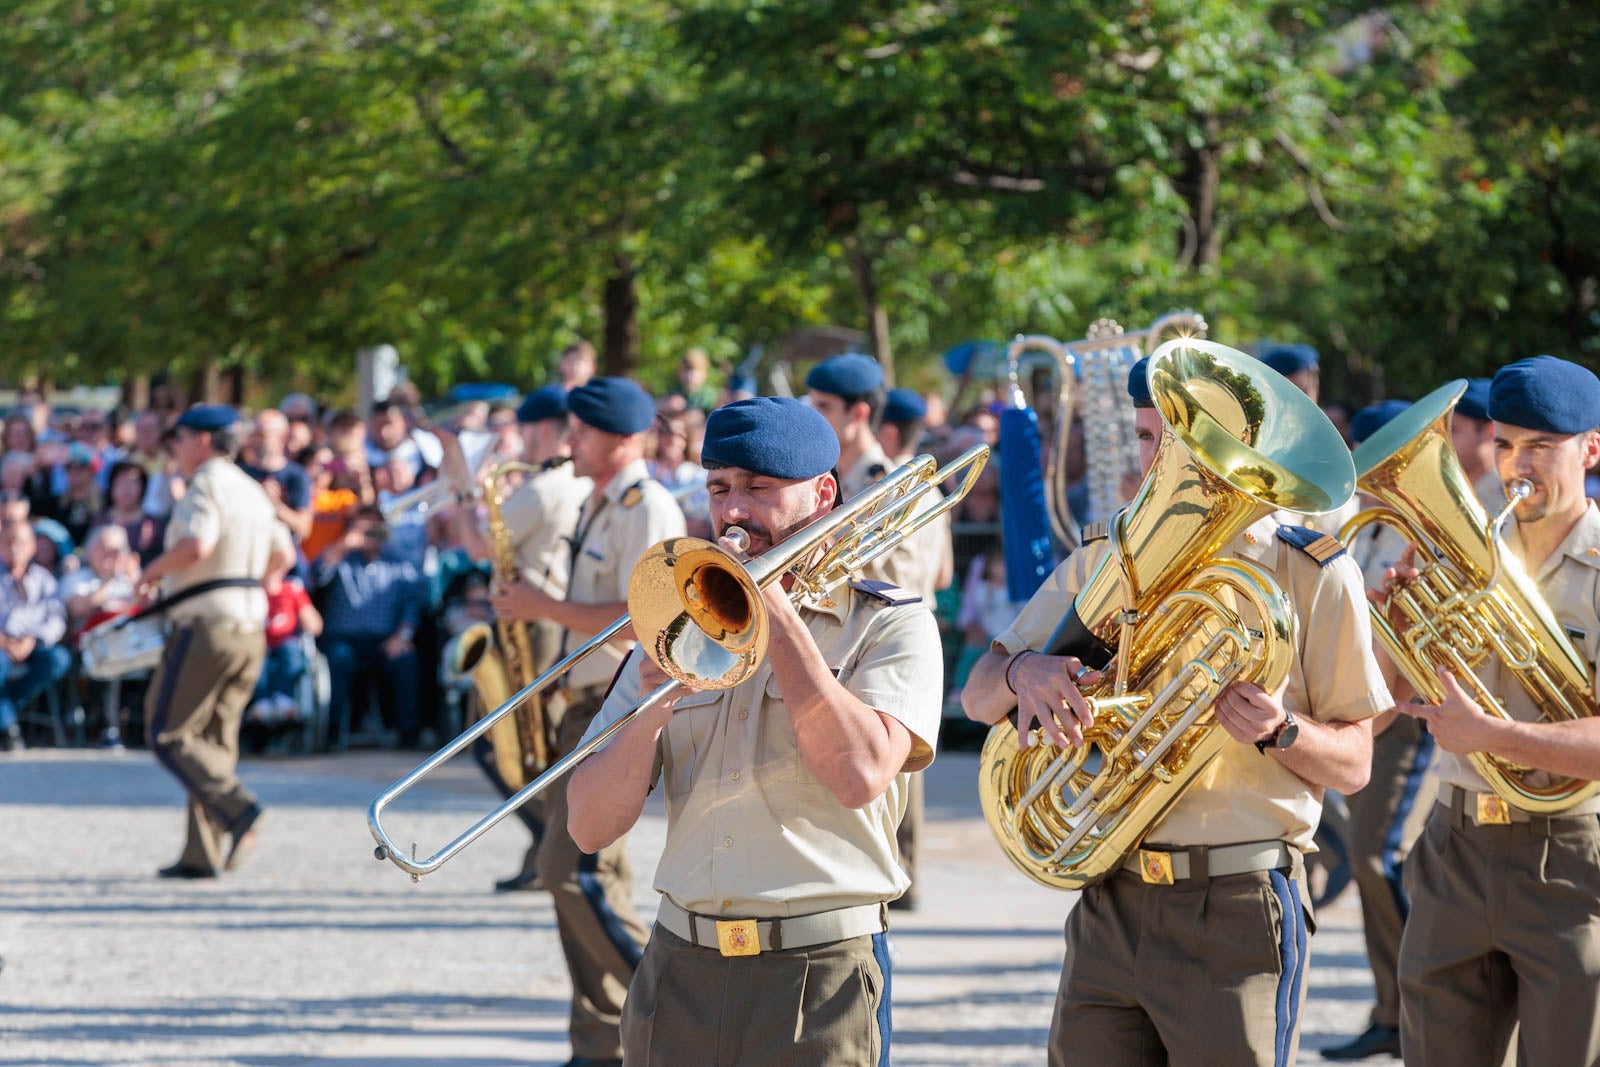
(1492, 811)
(1156, 868)
(738, 937)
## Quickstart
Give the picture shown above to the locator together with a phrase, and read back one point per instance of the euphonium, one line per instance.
(500, 659)
(1471, 599)
(1171, 620)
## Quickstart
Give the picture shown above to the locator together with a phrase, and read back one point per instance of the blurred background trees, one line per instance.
(263, 188)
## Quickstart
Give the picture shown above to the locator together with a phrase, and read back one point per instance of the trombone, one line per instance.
(712, 631)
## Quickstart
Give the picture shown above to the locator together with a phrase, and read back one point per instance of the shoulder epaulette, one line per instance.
(1096, 531)
(889, 594)
(876, 471)
(1320, 547)
(633, 494)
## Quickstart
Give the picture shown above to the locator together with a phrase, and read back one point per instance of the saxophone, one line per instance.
(1170, 619)
(500, 658)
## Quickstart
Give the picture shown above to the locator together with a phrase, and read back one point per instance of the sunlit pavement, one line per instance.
(317, 954)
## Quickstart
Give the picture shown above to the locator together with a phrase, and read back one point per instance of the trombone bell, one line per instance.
(704, 609)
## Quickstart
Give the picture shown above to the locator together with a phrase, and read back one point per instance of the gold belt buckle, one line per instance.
(1492, 811)
(738, 937)
(1156, 868)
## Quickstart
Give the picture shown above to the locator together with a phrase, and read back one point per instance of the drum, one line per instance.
(124, 645)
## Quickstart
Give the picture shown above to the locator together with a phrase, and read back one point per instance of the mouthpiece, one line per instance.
(1519, 489)
(740, 539)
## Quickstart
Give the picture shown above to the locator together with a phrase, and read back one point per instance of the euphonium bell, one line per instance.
(1471, 599)
(1173, 620)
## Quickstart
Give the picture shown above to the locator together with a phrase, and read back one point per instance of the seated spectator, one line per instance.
(33, 620)
(289, 614)
(371, 609)
(389, 437)
(333, 501)
(284, 480)
(106, 583)
(129, 485)
(408, 530)
(54, 549)
(80, 504)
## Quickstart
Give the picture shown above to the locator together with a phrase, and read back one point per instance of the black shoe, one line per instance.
(244, 839)
(183, 870)
(1377, 1041)
(11, 740)
(526, 882)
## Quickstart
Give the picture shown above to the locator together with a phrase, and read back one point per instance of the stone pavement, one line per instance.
(317, 954)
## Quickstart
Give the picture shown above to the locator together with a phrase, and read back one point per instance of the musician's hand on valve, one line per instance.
(1394, 578)
(1459, 724)
(1048, 695)
(1249, 713)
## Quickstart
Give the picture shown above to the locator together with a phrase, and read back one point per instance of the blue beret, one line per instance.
(778, 436)
(904, 405)
(545, 402)
(1287, 359)
(1372, 418)
(1139, 384)
(208, 418)
(847, 375)
(1474, 403)
(1546, 394)
(613, 405)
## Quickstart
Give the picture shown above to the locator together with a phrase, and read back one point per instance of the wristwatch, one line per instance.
(1283, 736)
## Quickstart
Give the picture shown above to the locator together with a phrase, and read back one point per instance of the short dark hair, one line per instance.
(874, 401)
(121, 466)
(910, 431)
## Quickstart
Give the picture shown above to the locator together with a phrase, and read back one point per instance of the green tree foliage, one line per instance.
(273, 186)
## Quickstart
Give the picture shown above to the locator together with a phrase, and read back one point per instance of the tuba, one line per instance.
(499, 659)
(1171, 620)
(699, 615)
(1471, 599)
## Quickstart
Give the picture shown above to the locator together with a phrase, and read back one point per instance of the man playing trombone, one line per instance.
(782, 793)
(625, 514)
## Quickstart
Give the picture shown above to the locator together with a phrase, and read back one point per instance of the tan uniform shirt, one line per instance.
(1375, 549)
(918, 562)
(1570, 583)
(751, 832)
(228, 510)
(1245, 795)
(540, 515)
(634, 512)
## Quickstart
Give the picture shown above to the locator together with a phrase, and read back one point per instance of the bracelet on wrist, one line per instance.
(1011, 669)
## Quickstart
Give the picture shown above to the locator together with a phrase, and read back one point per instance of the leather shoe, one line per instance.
(1376, 1041)
(244, 839)
(525, 882)
(183, 870)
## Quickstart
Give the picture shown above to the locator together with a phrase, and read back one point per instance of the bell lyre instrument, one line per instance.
(697, 612)
(1169, 618)
(1471, 600)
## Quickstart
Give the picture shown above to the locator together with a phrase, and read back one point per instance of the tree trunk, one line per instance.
(620, 344)
(877, 317)
(205, 384)
(1200, 243)
(136, 392)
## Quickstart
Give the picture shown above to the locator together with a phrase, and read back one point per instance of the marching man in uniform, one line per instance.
(223, 537)
(782, 792)
(1505, 905)
(1200, 941)
(626, 512)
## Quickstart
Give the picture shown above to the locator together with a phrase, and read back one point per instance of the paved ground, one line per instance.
(316, 954)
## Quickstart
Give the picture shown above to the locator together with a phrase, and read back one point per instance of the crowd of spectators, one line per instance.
(379, 588)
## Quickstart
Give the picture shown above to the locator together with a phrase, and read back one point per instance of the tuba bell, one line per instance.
(1471, 600)
(1171, 620)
